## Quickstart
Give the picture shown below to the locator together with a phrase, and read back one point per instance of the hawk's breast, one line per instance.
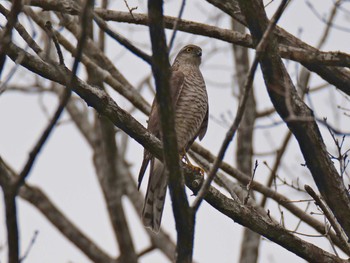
(191, 108)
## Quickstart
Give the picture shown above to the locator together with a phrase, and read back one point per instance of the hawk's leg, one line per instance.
(193, 167)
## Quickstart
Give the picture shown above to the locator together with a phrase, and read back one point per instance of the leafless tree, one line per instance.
(260, 190)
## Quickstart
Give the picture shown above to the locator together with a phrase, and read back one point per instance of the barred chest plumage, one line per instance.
(191, 107)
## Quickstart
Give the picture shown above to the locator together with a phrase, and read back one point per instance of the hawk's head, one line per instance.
(190, 54)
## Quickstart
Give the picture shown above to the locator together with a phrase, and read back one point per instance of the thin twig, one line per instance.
(329, 24)
(52, 35)
(249, 185)
(300, 220)
(323, 19)
(86, 17)
(331, 128)
(342, 157)
(146, 251)
(32, 242)
(247, 87)
(130, 9)
(276, 165)
(35, 151)
(122, 40)
(38, 146)
(332, 220)
(182, 8)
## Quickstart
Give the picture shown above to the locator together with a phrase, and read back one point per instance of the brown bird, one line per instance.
(190, 102)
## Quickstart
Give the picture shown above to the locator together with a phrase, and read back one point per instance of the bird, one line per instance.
(190, 102)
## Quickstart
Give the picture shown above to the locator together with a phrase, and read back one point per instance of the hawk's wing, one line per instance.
(153, 127)
(176, 84)
(202, 130)
(204, 126)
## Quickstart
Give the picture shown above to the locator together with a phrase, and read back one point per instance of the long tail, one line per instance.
(155, 196)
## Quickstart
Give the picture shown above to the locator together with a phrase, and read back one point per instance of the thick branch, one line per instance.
(94, 97)
(111, 176)
(244, 153)
(269, 193)
(299, 118)
(36, 197)
(161, 69)
(250, 218)
(336, 76)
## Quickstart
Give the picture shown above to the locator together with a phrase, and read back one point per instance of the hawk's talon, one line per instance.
(196, 169)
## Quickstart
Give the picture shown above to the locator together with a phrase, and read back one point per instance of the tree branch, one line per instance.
(303, 126)
(122, 40)
(184, 218)
(336, 76)
(278, 198)
(250, 218)
(332, 220)
(111, 175)
(244, 152)
(290, 47)
(6, 34)
(95, 60)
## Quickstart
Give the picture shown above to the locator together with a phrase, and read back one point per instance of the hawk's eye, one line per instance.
(189, 49)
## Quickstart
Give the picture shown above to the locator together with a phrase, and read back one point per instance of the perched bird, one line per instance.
(190, 102)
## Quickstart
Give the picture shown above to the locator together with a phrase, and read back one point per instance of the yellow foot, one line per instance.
(197, 169)
(193, 167)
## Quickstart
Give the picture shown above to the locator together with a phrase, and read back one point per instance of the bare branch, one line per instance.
(249, 185)
(65, 97)
(282, 92)
(182, 8)
(98, 62)
(249, 217)
(130, 9)
(333, 221)
(336, 76)
(276, 164)
(122, 40)
(280, 199)
(161, 69)
(52, 35)
(31, 244)
(244, 153)
(303, 53)
(6, 33)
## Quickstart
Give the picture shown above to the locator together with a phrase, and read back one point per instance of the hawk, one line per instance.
(190, 102)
